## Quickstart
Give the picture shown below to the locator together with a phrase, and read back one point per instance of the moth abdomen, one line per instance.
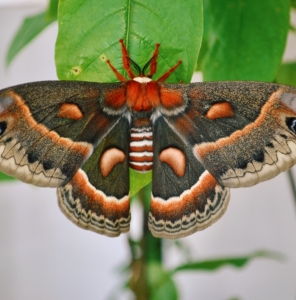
(141, 149)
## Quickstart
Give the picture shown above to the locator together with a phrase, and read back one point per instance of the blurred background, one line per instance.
(45, 256)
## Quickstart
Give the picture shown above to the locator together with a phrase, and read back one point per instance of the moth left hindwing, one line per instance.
(97, 197)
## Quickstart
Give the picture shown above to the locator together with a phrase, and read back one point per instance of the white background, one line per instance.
(44, 256)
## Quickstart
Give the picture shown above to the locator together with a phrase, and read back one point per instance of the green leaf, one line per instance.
(238, 262)
(89, 31)
(30, 28)
(4, 177)
(161, 284)
(293, 3)
(138, 181)
(246, 38)
(52, 9)
(287, 74)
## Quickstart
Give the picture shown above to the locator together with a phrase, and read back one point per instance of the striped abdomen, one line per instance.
(141, 149)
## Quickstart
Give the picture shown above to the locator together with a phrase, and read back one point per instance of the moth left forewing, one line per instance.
(243, 132)
(48, 129)
(185, 197)
(97, 197)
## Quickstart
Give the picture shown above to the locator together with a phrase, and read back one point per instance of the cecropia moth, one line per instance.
(199, 140)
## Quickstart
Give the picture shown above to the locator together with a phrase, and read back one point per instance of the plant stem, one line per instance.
(150, 252)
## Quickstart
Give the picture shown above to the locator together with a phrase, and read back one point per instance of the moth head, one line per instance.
(142, 74)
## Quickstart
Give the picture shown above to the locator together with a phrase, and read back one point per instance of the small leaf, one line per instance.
(52, 9)
(4, 177)
(238, 262)
(246, 39)
(30, 28)
(138, 181)
(287, 74)
(89, 33)
(161, 284)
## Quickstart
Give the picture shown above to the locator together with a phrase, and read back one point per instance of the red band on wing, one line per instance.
(22, 112)
(91, 209)
(175, 208)
(195, 209)
(203, 149)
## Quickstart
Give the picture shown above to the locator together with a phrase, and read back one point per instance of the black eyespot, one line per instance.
(48, 165)
(242, 164)
(7, 141)
(291, 123)
(67, 168)
(3, 127)
(259, 156)
(32, 157)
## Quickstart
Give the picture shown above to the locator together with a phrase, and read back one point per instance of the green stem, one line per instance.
(152, 244)
(150, 252)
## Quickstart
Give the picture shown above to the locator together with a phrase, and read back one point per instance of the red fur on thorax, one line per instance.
(142, 96)
(116, 98)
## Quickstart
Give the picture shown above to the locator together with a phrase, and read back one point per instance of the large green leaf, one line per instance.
(30, 28)
(89, 31)
(246, 38)
(214, 264)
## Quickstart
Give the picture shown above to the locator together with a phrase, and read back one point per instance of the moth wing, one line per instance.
(49, 129)
(185, 197)
(241, 132)
(97, 197)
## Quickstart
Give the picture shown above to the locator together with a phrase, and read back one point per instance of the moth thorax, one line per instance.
(142, 79)
(141, 149)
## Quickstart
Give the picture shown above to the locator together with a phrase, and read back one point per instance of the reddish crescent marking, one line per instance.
(220, 110)
(110, 159)
(70, 111)
(175, 158)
